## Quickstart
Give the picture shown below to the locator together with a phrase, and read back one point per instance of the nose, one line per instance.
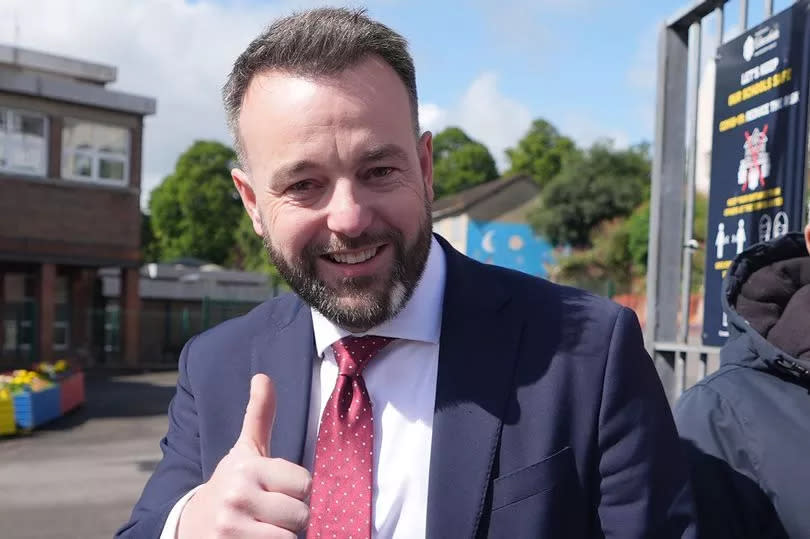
(347, 213)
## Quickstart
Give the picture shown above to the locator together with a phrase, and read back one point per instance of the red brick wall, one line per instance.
(60, 212)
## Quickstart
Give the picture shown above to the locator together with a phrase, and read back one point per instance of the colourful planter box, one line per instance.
(32, 409)
(7, 424)
(71, 392)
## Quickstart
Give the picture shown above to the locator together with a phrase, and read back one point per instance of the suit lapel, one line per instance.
(285, 354)
(479, 345)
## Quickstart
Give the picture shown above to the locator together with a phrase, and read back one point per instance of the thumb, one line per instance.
(259, 416)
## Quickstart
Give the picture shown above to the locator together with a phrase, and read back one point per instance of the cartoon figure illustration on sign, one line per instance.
(780, 225)
(765, 228)
(740, 237)
(721, 240)
(756, 165)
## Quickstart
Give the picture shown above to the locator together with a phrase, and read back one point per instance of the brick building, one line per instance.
(70, 175)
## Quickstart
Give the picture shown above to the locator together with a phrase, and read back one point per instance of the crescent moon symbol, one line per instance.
(486, 242)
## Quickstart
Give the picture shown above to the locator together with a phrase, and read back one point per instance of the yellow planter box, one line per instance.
(7, 425)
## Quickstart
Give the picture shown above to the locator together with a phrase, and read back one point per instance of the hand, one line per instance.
(250, 494)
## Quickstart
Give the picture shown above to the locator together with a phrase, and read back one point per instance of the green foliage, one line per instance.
(638, 235)
(196, 210)
(150, 250)
(459, 163)
(599, 186)
(249, 253)
(638, 230)
(604, 268)
(541, 153)
(700, 226)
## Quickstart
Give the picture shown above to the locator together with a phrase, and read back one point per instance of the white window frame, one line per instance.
(96, 156)
(8, 111)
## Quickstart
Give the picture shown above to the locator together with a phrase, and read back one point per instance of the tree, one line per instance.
(638, 236)
(606, 267)
(150, 250)
(638, 232)
(541, 153)
(196, 210)
(459, 163)
(249, 253)
(598, 186)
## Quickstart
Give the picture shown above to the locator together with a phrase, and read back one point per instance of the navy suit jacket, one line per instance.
(550, 420)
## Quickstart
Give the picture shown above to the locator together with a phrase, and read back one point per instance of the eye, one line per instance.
(380, 172)
(302, 186)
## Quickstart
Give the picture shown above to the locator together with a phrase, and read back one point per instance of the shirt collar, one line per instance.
(419, 320)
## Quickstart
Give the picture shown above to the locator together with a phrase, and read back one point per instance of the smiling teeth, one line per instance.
(353, 258)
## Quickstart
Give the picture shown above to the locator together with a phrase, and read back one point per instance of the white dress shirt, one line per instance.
(401, 382)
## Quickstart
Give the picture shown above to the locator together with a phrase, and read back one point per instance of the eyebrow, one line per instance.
(385, 151)
(292, 169)
(377, 153)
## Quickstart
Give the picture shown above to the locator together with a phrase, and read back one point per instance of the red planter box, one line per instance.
(72, 392)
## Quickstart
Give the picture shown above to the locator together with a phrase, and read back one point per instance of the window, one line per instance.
(95, 152)
(18, 312)
(61, 323)
(23, 142)
(112, 328)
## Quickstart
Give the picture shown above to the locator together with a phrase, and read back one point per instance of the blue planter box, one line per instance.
(32, 409)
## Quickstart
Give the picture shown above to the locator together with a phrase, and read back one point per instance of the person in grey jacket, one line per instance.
(747, 426)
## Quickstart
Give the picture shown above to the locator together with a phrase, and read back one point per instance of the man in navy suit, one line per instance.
(486, 403)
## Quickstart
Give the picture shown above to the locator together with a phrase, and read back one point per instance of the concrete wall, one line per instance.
(454, 230)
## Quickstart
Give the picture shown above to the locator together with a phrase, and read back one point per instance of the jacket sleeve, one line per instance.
(644, 489)
(730, 502)
(180, 469)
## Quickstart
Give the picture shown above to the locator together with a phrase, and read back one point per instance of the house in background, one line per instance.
(489, 222)
(178, 300)
(70, 177)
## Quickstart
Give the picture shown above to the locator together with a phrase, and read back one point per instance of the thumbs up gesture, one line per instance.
(251, 494)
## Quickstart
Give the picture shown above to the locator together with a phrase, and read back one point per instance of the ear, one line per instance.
(243, 185)
(425, 151)
(807, 237)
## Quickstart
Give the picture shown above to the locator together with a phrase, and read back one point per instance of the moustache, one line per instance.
(366, 240)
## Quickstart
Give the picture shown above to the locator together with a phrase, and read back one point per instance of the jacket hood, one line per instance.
(766, 298)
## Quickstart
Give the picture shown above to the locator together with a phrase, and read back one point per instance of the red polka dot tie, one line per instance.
(340, 505)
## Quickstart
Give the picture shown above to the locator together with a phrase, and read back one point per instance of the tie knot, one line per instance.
(353, 353)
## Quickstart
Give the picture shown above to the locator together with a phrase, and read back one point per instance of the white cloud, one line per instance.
(499, 122)
(432, 117)
(177, 52)
(581, 127)
(484, 114)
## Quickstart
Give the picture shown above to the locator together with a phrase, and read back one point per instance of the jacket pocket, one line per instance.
(535, 479)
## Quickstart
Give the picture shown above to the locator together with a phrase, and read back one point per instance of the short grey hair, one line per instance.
(317, 42)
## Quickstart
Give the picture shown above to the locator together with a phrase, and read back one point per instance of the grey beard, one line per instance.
(376, 306)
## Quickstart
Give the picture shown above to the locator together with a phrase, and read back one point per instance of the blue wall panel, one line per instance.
(510, 245)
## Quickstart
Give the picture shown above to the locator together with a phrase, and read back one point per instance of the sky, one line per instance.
(487, 66)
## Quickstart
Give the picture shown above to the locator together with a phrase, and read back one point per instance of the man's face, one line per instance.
(339, 187)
